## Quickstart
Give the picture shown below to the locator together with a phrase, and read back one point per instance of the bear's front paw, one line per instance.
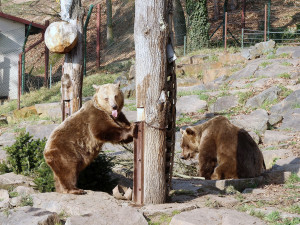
(77, 191)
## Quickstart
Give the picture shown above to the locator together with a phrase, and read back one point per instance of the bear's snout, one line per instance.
(114, 107)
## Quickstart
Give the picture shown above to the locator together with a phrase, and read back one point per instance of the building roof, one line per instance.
(20, 20)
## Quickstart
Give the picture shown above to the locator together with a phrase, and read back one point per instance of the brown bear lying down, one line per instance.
(75, 143)
(225, 151)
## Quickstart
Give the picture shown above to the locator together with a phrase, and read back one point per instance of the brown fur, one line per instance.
(75, 143)
(225, 151)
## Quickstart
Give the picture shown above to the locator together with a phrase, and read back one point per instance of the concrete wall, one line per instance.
(12, 35)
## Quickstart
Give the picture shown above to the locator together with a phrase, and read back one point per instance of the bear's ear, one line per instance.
(96, 87)
(118, 84)
(190, 131)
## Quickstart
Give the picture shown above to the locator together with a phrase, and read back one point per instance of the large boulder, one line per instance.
(52, 110)
(267, 95)
(41, 131)
(258, 49)
(224, 103)
(61, 37)
(289, 103)
(188, 104)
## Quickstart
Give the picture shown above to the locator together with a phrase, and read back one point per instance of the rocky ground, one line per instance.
(262, 95)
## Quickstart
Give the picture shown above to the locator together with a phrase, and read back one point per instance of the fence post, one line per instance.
(265, 28)
(242, 38)
(225, 10)
(225, 33)
(23, 58)
(50, 83)
(19, 80)
(84, 38)
(184, 45)
(269, 16)
(243, 13)
(98, 34)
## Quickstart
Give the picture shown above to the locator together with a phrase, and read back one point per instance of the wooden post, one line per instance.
(265, 28)
(71, 81)
(225, 33)
(243, 13)
(98, 34)
(19, 80)
(152, 36)
(46, 58)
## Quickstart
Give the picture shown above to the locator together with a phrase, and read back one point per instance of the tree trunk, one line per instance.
(216, 9)
(71, 85)
(110, 37)
(179, 23)
(151, 35)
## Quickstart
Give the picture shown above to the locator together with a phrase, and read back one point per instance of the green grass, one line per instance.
(265, 64)
(267, 104)
(257, 214)
(296, 106)
(273, 217)
(294, 178)
(271, 56)
(244, 96)
(284, 91)
(284, 75)
(201, 94)
(286, 64)
(130, 106)
(295, 208)
(184, 119)
(285, 55)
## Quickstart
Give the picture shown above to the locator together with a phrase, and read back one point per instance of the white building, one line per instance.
(12, 36)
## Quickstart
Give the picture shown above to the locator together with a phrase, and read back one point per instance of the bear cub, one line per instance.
(77, 141)
(225, 151)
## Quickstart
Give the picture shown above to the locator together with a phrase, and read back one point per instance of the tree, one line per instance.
(151, 36)
(110, 37)
(179, 23)
(71, 81)
(198, 24)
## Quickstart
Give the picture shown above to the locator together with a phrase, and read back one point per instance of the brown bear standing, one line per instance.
(225, 151)
(75, 143)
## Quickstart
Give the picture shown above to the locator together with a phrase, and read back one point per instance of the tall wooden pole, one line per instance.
(265, 28)
(151, 35)
(243, 13)
(46, 59)
(71, 85)
(98, 34)
(225, 32)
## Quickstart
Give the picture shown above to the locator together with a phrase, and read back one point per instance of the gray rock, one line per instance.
(255, 121)
(131, 74)
(4, 198)
(188, 104)
(3, 120)
(290, 102)
(274, 119)
(254, 136)
(13, 180)
(291, 164)
(276, 177)
(123, 215)
(260, 83)
(247, 72)
(258, 49)
(206, 216)
(3, 155)
(129, 90)
(40, 131)
(7, 139)
(53, 110)
(200, 87)
(291, 120)
(130, 115)
(272, 137)
(274, 70)
(288, 50)
(224, 103)
(238, 84)
(28, 216)
(271, 155)
(267, 95)
(22, 190)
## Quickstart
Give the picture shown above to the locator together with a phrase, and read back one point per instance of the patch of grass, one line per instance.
(267, 104)
(257, 214)
(285, 55)
(26, 200)
(239, 196)
(284, 91)
(212, 203)
(295, 208)
(265, 64)
(294, 178)
(201, 94)
(284, 75)
(183, 119)
(119, 66)
(286, 64)
(296, 106)
(130, 106)
(273, 217)
(274, 161)
(271, 56)
(13, 194)
(231, 190)
(244, 96)
(213, 58)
